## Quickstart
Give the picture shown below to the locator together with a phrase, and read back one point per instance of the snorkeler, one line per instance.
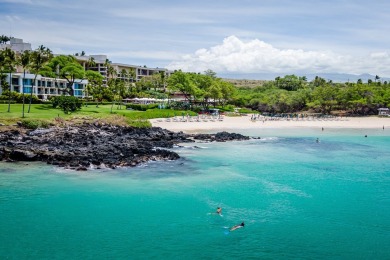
(237, 226)
(219, 211)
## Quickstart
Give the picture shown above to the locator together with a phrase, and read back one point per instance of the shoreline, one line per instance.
(245, 123)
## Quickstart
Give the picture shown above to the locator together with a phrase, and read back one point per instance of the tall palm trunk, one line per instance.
(31, 93)
(24, 76)
(10, 92)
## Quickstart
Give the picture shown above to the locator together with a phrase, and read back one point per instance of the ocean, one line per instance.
(298, 198)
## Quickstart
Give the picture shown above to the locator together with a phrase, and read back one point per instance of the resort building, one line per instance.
(125, 72)
(44, 87)
(16, 45)
(47, 87)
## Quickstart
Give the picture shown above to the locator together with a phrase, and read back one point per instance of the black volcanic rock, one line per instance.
(80, 146)
(220, 137)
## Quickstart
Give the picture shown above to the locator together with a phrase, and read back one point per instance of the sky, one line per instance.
(227, 36)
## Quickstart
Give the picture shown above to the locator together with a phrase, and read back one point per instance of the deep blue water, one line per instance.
(298, 199)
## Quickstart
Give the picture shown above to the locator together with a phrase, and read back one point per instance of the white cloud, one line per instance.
(155, 55)
(255, 56)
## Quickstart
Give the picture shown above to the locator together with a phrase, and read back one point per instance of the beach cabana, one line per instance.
(383, 111)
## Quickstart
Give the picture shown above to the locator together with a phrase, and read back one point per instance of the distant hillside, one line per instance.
(251, 83)
(335, 77)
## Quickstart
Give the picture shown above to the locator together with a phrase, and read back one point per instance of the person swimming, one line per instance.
(237, 226)
(219, 211)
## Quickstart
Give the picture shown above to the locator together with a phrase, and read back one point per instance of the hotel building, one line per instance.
(46, 87)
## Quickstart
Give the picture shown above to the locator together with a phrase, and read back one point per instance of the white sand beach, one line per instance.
(245, 122)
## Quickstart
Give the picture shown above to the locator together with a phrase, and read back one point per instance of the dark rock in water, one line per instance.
(220, 137)
(22, 155)
(104, 146)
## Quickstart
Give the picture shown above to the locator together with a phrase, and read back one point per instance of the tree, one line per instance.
(215, 91)
(227, 91)
(91, 62)
(24, 61)
(181, 82)
(39, 58)
(318, 81)
(290, 82)
(68, 69)
(325, 98)
(210, 73)
(4, 39)
(95, 85)
(9, 63)
(67, 103)
(376, 78)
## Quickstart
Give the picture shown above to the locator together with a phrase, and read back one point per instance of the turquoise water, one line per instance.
(298, 199)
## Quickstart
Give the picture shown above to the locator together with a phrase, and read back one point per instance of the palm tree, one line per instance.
(4, 39)
(376, 78)
(9, 64)
(39, 58)
(111, 72)
(3, 76)
(123, 74)
(24, 61)
(91, 62)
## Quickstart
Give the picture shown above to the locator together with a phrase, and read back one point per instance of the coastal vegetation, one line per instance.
(292, 94)
(198, 92)
(45, 114)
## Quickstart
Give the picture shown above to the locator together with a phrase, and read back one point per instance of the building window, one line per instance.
(15, 81)
(78, 93)
(49, 84)
(27, 82)
(27, 89)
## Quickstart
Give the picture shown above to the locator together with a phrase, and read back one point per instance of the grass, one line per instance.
(46, 113)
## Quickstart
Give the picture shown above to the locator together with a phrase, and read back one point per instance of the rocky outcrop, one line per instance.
(220, 137)
(97, 145)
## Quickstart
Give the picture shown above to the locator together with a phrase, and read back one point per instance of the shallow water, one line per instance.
(298, 199)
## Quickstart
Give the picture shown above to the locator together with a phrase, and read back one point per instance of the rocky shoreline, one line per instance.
(85, 146)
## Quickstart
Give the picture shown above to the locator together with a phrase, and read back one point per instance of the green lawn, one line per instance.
(48, 113)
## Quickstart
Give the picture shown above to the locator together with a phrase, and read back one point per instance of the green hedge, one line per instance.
(94, 103)
(141, 107)
(18, 98)
(34, 124)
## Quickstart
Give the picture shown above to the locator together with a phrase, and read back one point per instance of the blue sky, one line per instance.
(229, 37)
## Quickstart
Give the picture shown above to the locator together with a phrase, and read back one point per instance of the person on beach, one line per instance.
(237, 226)
(219, 211)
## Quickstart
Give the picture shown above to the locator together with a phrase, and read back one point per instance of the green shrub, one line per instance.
(246, 111)
(34, 124)
(140, 107)
(18, 98)
(67, 103)
(140, 123)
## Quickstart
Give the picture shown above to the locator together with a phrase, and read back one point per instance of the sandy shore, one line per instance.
(245, 122)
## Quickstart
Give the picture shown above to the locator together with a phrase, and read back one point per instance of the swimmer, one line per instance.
(318, 140)
(237, 226)
(219, 211)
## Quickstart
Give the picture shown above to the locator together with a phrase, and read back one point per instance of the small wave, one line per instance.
(280, 188)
